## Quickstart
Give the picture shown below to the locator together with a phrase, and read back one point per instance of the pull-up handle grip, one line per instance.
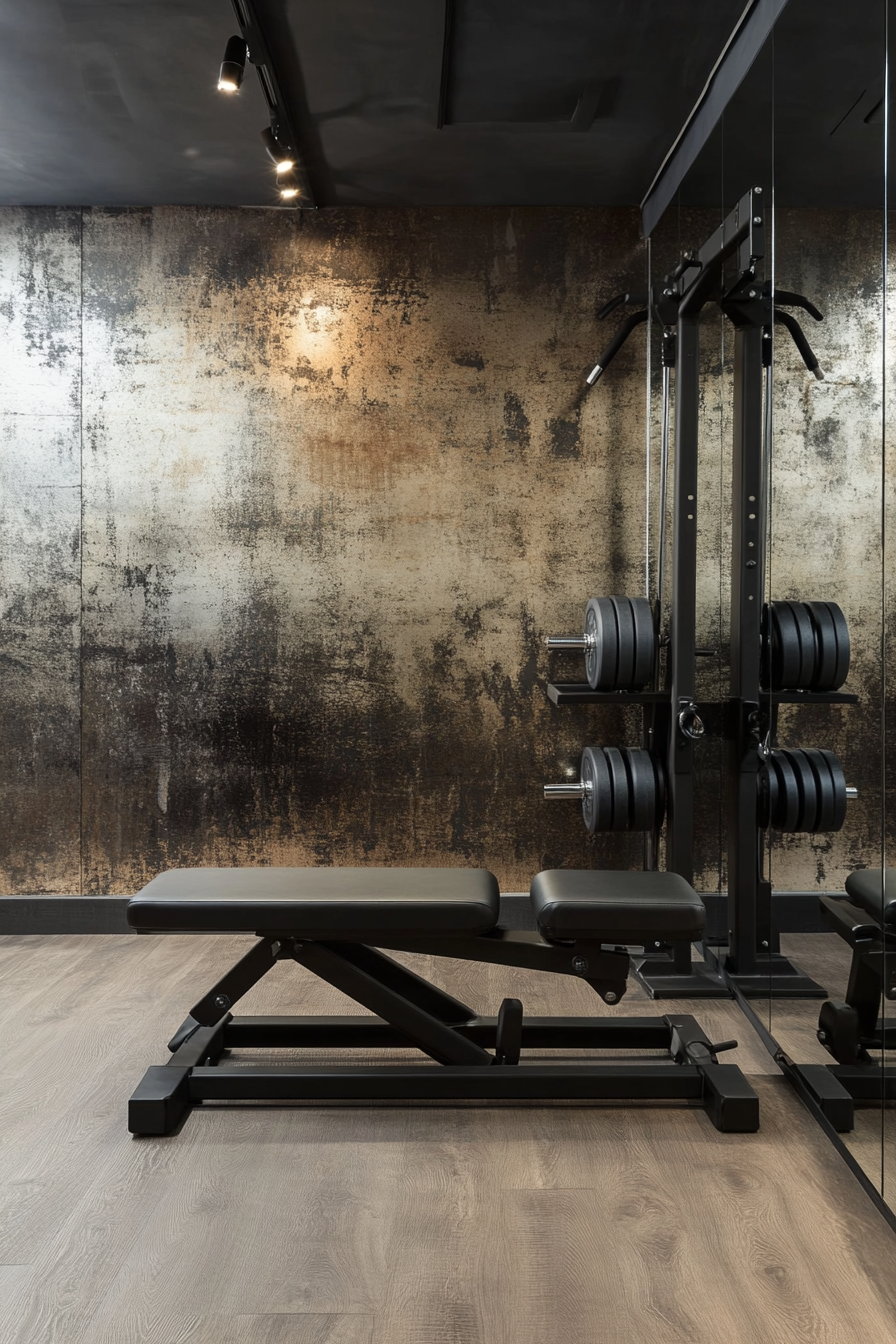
(618, 301)
(799, 340)
(791, 300)
(615, 346)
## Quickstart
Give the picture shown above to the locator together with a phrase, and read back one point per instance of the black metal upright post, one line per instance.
(753, 962)
(738, 234)
(747, 589)
(683, 624)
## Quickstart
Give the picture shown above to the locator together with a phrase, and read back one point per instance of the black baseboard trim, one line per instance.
(795, 912)
(63, 914)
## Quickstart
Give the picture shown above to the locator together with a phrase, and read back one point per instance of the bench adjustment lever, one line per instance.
(509, 1034)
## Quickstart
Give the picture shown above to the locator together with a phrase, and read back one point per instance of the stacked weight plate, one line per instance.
(623, 789)
(806, 646)
(620, 643)
(803, 790)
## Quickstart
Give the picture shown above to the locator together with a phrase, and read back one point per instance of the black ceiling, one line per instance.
(113, 102)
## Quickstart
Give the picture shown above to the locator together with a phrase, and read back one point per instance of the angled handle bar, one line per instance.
(799, 340)
(615, 346)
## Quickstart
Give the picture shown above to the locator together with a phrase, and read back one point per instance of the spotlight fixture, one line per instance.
(279, 155)
(288, 184)
(233, 67)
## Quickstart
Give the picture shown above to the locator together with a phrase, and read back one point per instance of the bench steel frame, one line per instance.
(836, 1087)
(411, 1012)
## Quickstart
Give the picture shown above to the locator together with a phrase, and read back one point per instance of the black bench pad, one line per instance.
(354, 903)
(864, 887)
(616, 907)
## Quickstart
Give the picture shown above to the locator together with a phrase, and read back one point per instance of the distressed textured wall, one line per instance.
(337, 481)
(333, 479)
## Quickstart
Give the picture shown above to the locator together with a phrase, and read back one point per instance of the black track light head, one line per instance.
(233, 67)
(280, 156)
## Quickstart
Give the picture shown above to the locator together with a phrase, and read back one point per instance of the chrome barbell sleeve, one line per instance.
(574, 643)
(571, 792)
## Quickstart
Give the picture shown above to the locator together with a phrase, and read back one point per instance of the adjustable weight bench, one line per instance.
(851, 1028)
(333, 921)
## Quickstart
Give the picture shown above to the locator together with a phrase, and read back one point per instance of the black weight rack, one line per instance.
(728, 270)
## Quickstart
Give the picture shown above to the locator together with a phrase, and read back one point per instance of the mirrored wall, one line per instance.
(794, 505)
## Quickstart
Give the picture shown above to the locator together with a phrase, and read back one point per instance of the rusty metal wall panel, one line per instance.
(40, 506)
(340, 478)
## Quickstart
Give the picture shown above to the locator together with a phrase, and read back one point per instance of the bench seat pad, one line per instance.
(352, 903)
(627, 908)
(864, 887)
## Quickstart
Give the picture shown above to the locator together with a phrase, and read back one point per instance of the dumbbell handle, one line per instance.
(562, 642)
(852, 793)
(581, 789)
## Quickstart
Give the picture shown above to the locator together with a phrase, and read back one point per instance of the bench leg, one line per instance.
(160, 1100)
(430, 1035)
(247, 972)
(729, 1100)
(162, 1097)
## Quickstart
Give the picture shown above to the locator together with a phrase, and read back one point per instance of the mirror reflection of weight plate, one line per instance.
(803, 791)
(806, 646)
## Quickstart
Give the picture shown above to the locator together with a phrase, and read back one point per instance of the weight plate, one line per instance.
(601, 655)
(832, 636)
(808, 790)
(805, 630)
(626, 649)
(766, 796)
(824, 820)
(659, 772)
(786, 655)
(784, 794)
(597, 805)
(642, 783)
(645, 642)
(826, 646)
(839, 781)
(621, 792)
(841, 629)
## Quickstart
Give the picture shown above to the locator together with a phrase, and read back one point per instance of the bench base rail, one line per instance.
(407, 1012)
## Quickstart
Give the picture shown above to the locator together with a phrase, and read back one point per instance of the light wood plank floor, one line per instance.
(399, 1226)
(793, 1022)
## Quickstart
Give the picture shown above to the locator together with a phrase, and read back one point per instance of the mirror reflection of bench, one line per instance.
(855, 1029)
(334, 921)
